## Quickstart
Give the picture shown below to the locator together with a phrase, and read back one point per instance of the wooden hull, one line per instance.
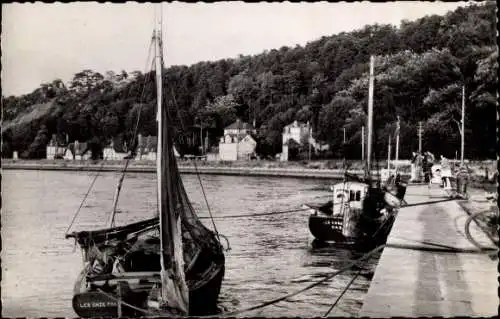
(325, 229)
(92, 302)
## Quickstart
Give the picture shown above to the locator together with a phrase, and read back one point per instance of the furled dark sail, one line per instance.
(188, 256)
(174, 292)
(179, 226)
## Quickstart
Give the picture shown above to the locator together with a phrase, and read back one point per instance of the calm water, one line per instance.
(270, 256)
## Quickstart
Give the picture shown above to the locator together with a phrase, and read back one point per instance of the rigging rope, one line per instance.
(134, 136)
(196, 169)
(104, 159)
(206, 201)
(85, 197)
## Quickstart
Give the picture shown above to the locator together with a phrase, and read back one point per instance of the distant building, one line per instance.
(299, 134)
(147, 148)
(237, 142)
(76, 151)
(55, 149)
(67, 151)
(111, 152)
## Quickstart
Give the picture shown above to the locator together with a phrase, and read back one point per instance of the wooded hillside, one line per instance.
(420, 69)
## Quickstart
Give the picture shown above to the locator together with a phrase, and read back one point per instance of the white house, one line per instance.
(109, 153)
(76, 151)
(237, 142)
(147, 148)
(71, 151)
(54, 149)
(301, 134)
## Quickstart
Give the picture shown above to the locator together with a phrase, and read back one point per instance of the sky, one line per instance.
(42, 42)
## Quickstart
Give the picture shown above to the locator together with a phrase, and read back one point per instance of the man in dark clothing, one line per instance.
(425, 165)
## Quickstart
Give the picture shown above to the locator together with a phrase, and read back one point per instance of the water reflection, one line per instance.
(271, 256)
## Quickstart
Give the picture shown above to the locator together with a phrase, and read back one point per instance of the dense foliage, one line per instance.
(420, 70)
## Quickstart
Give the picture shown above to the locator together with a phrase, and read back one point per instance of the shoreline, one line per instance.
(482, 175)
(213, 169)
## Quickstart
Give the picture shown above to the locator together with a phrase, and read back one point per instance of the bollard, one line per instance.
(462, 180)
(401, 190)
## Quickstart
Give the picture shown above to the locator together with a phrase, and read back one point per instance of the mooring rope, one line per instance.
(359, 272)
(257, 214)
(441, 250)
(469, 236)
(265, 304)
(206, 202)
(319, 282)
(116, 299)
(227, 241)
(429, 203)
(343, 292)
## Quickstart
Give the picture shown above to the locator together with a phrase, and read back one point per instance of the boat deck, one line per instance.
(414, 278)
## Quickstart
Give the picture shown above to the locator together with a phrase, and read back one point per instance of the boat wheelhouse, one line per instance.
(362, 209)
(337, 219)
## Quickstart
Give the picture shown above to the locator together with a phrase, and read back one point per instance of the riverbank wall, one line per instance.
(185, 168)
(481, 172)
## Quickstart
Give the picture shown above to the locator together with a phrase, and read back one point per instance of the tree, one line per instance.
(38, 149)
(85, 81)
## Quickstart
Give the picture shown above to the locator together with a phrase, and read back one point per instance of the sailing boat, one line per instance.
(169, 265)
(362, 210)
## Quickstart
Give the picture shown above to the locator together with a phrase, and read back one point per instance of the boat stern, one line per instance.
(95, 304)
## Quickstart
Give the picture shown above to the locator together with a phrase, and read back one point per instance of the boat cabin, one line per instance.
(352, 193)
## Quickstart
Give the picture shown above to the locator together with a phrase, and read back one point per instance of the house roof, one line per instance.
(240, 137)
(238, 125)
(79, 148)
(292, 142)
(297, 124)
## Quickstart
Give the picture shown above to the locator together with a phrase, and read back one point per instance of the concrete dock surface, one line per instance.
(416, 275)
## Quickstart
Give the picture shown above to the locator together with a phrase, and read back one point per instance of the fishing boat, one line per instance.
(362, 209)
(166, 265)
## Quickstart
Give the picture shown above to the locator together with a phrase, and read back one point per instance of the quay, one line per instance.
(417, 274)
(183, 168)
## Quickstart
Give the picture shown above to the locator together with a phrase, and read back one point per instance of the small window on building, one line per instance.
(358, 196)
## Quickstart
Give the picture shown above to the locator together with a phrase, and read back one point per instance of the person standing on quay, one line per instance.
(445, 172)
(418, 166)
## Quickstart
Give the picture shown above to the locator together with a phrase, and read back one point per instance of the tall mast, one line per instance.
(462, 129)
(398, 128)
(389, 154)
(159, 97)
(363, 143)
(370, 119)
(174, 291)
